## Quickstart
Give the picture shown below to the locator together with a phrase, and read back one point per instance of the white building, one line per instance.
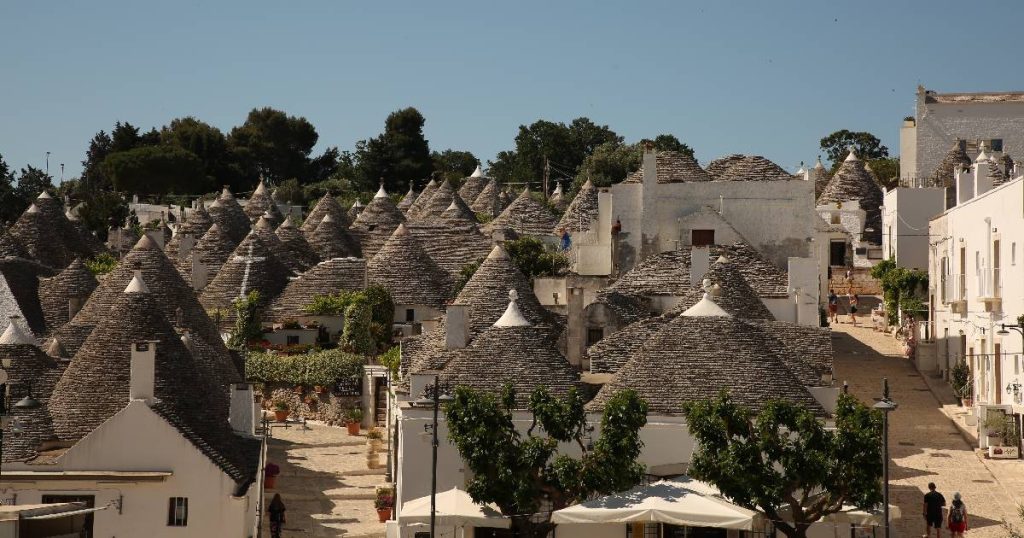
(905, 215)
(970, 119)
(976, 279)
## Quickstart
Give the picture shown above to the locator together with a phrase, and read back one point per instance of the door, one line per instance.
(837, 253)
(88, 500)
(380, 404)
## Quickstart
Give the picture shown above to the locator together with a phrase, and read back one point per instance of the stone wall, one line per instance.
(326, 408)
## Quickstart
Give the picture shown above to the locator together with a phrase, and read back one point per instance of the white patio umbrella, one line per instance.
(453, 508)
(678, 502)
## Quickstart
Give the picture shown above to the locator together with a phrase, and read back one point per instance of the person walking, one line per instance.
(932, 510)
(276, 510)
(957, 517)
(833, 306)
(854, 300)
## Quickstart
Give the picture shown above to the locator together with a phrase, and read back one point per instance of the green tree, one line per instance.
(563, 147)
(887, 171)
(31, 182)
(397, 156)
(248, 325)
(784, 460)
(210, 146)
(520, 473)
(10, 203)
(100, 210)
(533, 258)
(668, 142)
(157, 170)
(356, 336)
(610, 163)
(454, 165)
(837, 146)
(274, 144)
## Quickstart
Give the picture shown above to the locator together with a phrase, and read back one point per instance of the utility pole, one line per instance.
(547, 174)
(47, 163)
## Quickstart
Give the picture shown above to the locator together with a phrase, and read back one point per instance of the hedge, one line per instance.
(322, 368)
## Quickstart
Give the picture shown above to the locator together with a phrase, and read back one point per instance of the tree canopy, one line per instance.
(454, 165)
(533, 258)
(563, 147)
(155, 170)
(785, 458)
(398, 156)
(522, 471)
(611, 162)
(274, 144)
(837, 146)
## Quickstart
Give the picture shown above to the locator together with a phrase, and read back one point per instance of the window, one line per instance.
(177, 512)
(996, 144)
(594, 335)
(1013, 253)
(702, 238)
(410, 315)
(835, 218)
(293, 339)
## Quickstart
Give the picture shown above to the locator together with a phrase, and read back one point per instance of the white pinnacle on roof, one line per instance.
(381, 193)
(261, 188)
(818, 165)
(287, 222)
(558, 189)
(357, 204)
(32, 208)
(852, 156)
(43, 196)
(452, 206)
(327, 218)
(802, 170)
(497, 253)
(226, 192)
(14, 335)
(512, 316)
(137, 285)
(982, 157)
(479, 172)
(705, 307)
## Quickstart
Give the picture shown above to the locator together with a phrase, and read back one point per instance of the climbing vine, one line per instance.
(899, 288)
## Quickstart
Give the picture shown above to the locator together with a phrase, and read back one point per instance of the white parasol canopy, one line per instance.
(453, 508)
(677, 502)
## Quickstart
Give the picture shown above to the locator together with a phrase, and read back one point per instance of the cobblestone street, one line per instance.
(924, 443)
(324, 482)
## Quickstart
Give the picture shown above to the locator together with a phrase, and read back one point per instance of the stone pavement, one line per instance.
(924, 444)
(324, 482)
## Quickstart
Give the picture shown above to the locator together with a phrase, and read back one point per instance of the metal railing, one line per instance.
(988, 282)
(954, 288)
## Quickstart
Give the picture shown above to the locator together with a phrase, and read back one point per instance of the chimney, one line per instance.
(700, 262)
(74, 305)
(982, 179)
(649, 200)
(456, 326)
(242, 409)
(576, 341)
(143, 371)
(185, 245)
(200, 274)
(964, 181)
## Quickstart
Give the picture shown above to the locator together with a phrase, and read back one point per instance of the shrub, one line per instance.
(534, 259)
(319, 368)
(101, 263)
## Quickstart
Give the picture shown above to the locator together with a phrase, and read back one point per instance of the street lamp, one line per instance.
(886, 405)
(435, 400)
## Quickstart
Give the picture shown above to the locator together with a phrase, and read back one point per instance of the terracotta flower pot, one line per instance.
(269, 482)
(319, 389)
(298, 389)
(384, 514)
(281, 416)
(353, 428)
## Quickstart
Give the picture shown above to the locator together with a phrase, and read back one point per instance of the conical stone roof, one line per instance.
(264, 229)
(452, 245)
(47, 236)
(196, 223)
(956, 158)
(458, 213)
(852, 181)
(56, 293)
(226, 212)
(408, 272)
(819, 174)
(29, 367)
(673, 167)
(327, 205)
(439, 202)
(731, 292)
(327, 277)
(486, 293)
(407, 200)
(473, 185)
(262, 201)
(19, 293)
(175, 298)
(11, 247)
(487, 202)
(251, 267)
(330, 240)
(581, 214)
(211, 250)
(96, 384)
(423, 199)
(525, 216)
(738, 167)
(376, 224)
(296, 243)
(354, 211)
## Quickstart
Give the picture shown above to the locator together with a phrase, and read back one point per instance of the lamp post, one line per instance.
(435, 400)
(886, 405)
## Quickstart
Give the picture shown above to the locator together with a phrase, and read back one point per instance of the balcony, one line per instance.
(956, 292)
(990, 289)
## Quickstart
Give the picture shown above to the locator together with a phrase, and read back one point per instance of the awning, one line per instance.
(68, 513)
(44, 511)
(677, 502)
(454, 508)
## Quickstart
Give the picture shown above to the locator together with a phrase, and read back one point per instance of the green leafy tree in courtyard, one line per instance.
(522, 472)
(837, 146)
(784, 461)
(533, 258)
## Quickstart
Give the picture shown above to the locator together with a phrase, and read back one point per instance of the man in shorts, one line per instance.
(932, 509)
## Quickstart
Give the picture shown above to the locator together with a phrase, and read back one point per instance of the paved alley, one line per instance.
(324, 482)
(924, 444)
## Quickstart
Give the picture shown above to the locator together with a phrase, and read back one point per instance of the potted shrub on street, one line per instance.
(270, 473)
(384, 503)
(960, 379)
(353, 420)
(281, 410)
(375, 438)
(1002, 433)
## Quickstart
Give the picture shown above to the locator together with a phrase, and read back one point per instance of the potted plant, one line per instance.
(319, 389)
(963, 385)
(375, 438)
(384, 503)
(353, 420)
(281, 410)
(270, 473)
(1002, 432)
(311, 401)
(298, 389)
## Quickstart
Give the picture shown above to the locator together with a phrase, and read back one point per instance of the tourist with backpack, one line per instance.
(957, 516)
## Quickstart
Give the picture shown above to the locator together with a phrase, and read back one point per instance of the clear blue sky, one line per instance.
(767, 78)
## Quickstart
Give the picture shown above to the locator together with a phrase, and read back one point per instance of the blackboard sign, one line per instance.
(349, 386)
